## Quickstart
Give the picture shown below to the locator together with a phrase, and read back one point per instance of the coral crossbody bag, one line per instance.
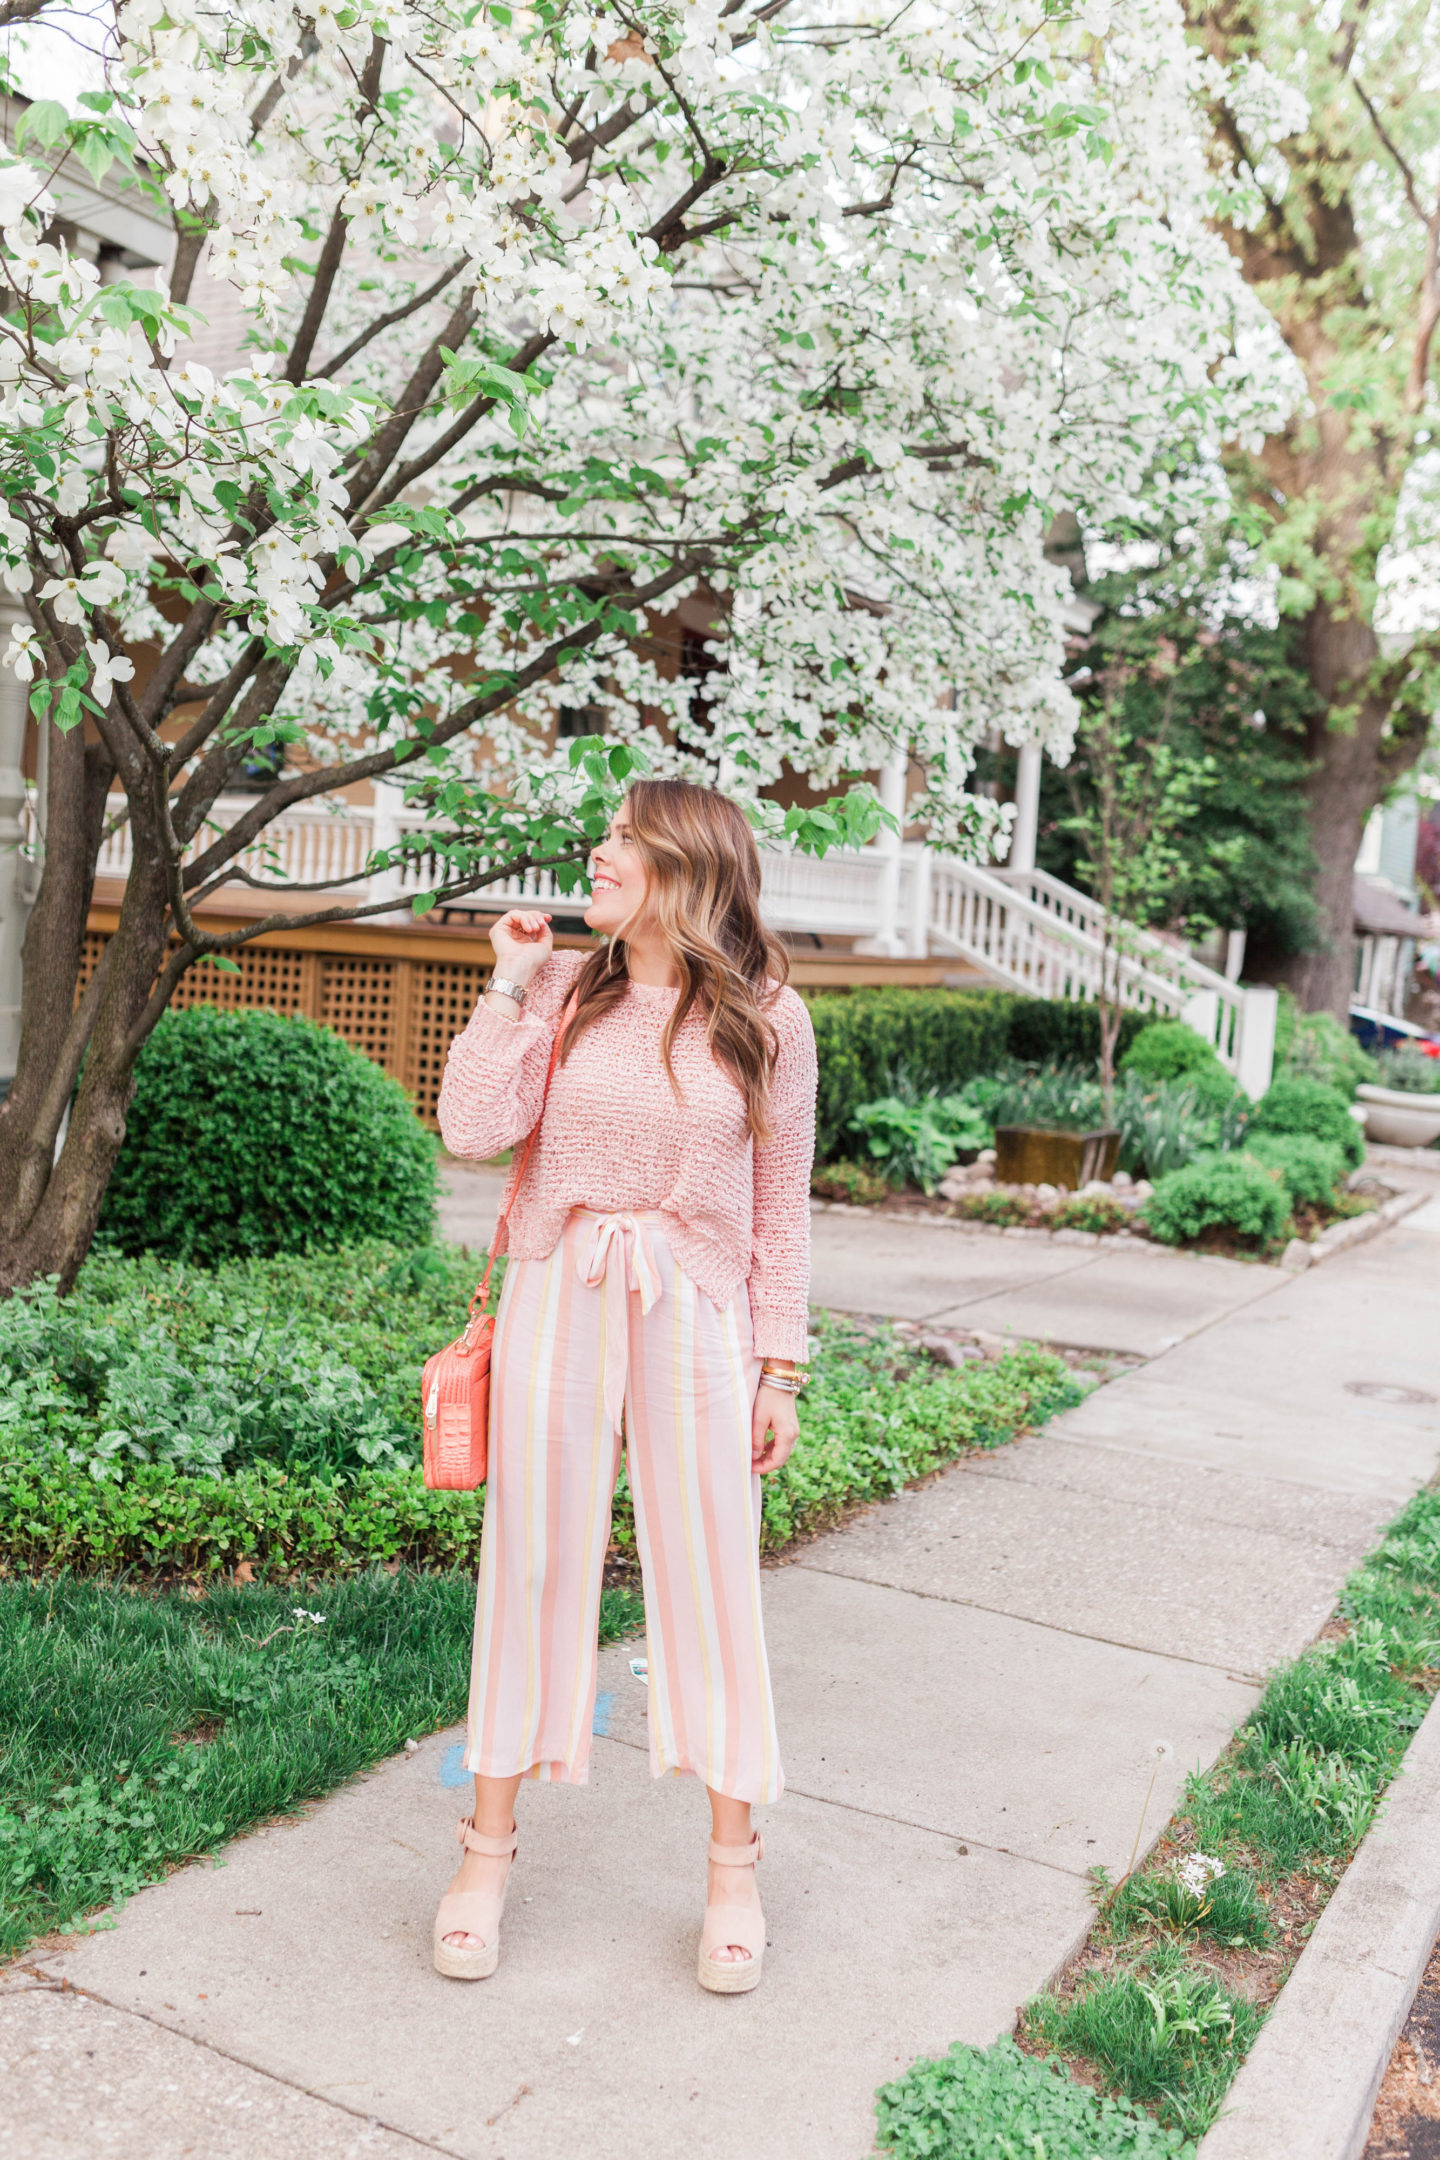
(455, 1384)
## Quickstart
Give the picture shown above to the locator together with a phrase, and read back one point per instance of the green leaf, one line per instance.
(46, 121)
(423, 902)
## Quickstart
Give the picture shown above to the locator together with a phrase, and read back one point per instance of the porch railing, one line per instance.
(1024, 929)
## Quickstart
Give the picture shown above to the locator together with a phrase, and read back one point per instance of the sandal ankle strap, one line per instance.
(738, 1855)
(494, 1848)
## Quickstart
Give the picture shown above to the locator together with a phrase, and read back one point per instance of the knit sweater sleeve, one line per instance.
(780, 1251)
(494, 1079)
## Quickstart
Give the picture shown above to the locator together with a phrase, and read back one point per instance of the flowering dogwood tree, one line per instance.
(559, 314)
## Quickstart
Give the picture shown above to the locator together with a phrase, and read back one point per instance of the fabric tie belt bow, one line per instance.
(619, 1259)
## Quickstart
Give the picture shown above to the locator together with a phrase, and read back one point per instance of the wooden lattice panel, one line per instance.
(357, 999)
(90, 951)
(268, 977)
(402, 1013)
(444, 995)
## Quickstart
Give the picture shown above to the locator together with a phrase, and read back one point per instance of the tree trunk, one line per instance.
(50, 1213)
(1352, 764)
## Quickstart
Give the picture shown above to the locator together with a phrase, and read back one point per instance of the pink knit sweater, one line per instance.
(614, 1136)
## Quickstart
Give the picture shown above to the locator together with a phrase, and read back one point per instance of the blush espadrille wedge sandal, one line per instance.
(473, 1912)
(739, 1926)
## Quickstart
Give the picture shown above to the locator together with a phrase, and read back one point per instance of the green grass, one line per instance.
(1161, 2033)
(1229, 1912)
(140, 1728)
(1292, 1796)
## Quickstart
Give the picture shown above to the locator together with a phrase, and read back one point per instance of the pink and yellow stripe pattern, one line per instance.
(609, 1318)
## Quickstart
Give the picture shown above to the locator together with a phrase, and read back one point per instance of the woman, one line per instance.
(659, 1266)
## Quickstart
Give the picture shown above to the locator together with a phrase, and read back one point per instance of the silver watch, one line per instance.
(509, 989)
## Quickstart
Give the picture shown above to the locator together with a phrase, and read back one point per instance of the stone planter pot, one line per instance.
(1399, 1118)
(1037, 1155)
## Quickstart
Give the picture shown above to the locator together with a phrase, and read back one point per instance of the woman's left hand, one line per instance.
(774, 1428)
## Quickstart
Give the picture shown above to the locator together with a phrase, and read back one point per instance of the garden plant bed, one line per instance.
(185, 1424)
(1188, 1952)
(1093, 1220)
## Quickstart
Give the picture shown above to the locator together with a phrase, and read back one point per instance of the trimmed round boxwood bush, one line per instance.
(1166, 1049)
(1220, 1192)
(250, 1133)
(1310, 1169)
(1171, 1050)
(1295, 1104)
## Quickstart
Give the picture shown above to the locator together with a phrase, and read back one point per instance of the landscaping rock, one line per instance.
(954, 1353)
(1297, 1254)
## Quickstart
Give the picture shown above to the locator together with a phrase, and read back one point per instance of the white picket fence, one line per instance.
(1021, 928)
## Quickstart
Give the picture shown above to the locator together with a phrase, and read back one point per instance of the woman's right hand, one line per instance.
(522, 943)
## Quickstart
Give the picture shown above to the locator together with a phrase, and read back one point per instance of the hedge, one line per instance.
(938, 1039)
(875, 1420)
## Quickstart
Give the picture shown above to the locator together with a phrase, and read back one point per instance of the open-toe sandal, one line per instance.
(473, 1912)
(739, 1926)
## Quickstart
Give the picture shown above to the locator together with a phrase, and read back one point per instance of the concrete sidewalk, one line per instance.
(973, 1683)
(1136, 1298)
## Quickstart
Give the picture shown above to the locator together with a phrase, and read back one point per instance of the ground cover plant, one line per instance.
(265, 1415)
(140, 1727)
(1188, 1951)
(995, 2103)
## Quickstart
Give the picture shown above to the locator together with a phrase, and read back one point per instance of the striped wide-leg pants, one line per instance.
(609, 1320)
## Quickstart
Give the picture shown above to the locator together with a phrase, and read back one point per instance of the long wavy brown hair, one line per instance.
(703, 872)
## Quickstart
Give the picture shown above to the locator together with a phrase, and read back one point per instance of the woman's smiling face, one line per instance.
(619, 881)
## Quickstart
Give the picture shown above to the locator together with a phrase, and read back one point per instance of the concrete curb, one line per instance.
(1308, 2085)
(1341, 1236)
(1380, 1157)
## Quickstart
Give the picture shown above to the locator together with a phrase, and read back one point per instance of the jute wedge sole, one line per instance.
(473, 1912)
(740, 1926)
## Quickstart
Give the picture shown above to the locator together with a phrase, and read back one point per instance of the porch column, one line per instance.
(15, 880)
(384, 832)
(1027, 808)
(1255, 1051)
(887, 941)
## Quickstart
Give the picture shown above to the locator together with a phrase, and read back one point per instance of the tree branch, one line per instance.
(387, 320)
(328, 266)
(1389, 143)
(325, 779)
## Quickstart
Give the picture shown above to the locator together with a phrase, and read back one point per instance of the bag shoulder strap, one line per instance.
(531, 1137)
